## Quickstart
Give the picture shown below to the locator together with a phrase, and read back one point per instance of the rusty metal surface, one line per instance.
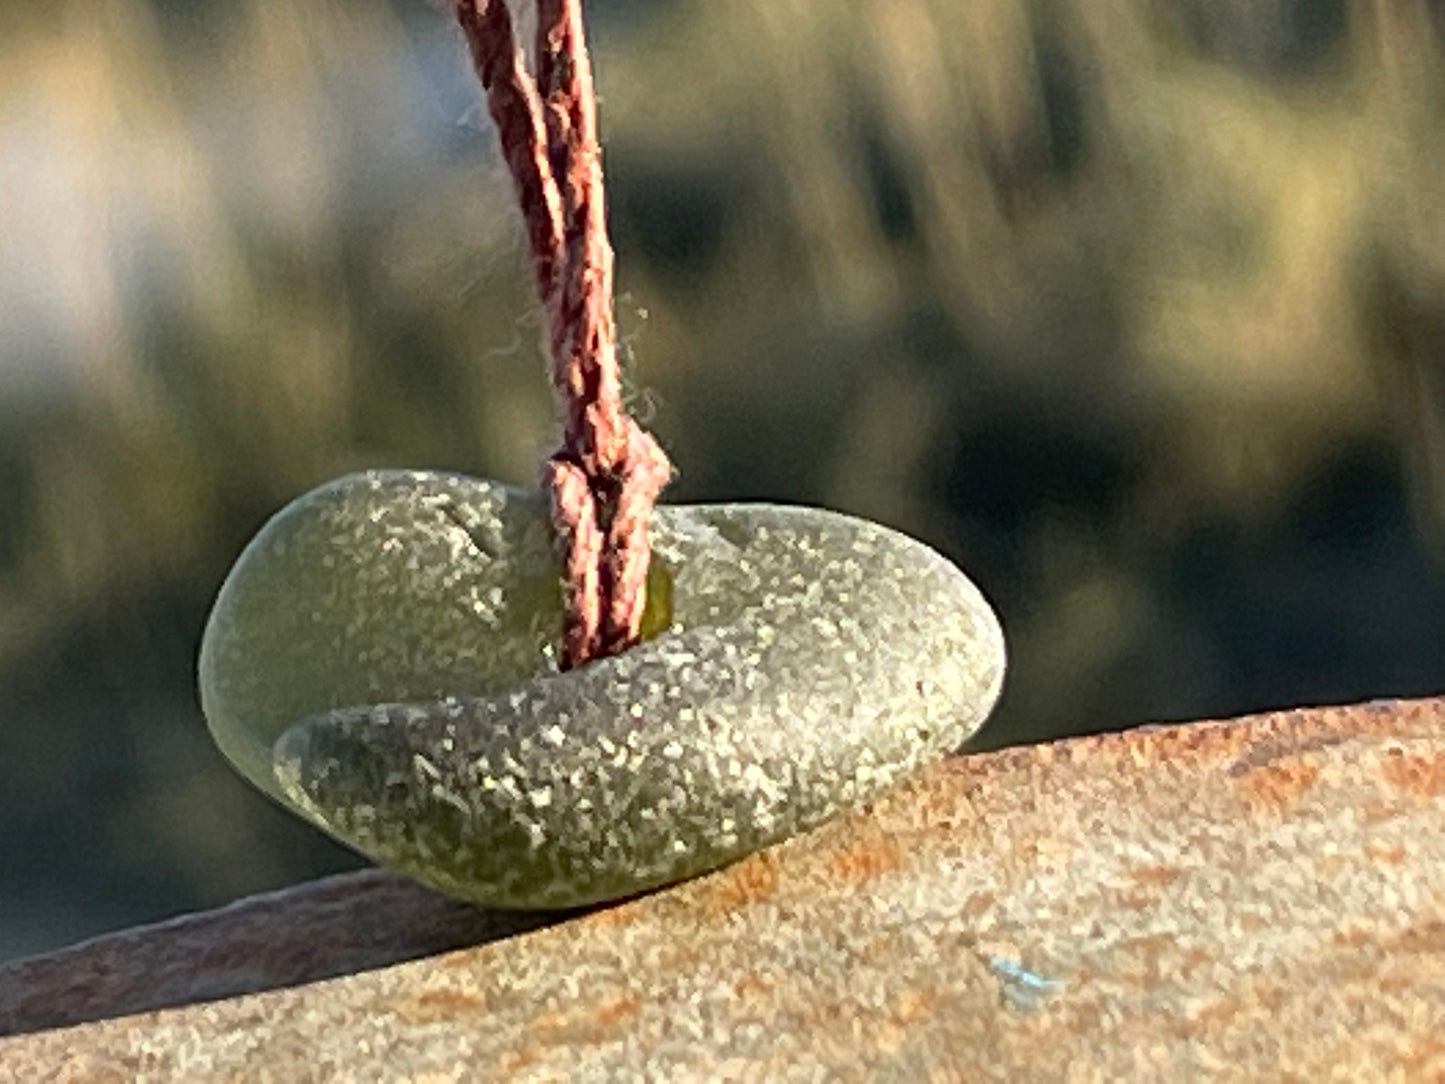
(334, 926)
(1259, 899)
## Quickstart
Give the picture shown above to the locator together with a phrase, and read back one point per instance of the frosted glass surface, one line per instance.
(380, 660)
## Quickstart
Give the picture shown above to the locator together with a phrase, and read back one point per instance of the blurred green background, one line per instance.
(1136, 310)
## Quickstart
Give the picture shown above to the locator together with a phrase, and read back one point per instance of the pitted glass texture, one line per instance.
(380, 660)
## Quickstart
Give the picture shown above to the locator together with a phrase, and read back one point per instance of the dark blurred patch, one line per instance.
(1351, 504)
(18, 498)
(410, 392)
(1061, 96)
(188, 23)
(111, 724)
(1335, 602)
(884, 176)
(1277, 39)
(673, 217)
(1016, 466)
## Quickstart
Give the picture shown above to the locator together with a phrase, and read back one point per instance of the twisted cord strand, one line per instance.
(605, 478)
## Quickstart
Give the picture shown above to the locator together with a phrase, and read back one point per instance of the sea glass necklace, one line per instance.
(534, 700)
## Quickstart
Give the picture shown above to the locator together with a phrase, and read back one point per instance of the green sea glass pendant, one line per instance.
(380, 660)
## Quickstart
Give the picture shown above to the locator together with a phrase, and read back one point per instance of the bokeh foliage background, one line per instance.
(1135, 310)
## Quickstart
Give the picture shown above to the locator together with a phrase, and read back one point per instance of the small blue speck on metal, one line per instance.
(1020, 987)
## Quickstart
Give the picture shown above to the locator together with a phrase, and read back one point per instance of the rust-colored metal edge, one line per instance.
(1256, 895)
